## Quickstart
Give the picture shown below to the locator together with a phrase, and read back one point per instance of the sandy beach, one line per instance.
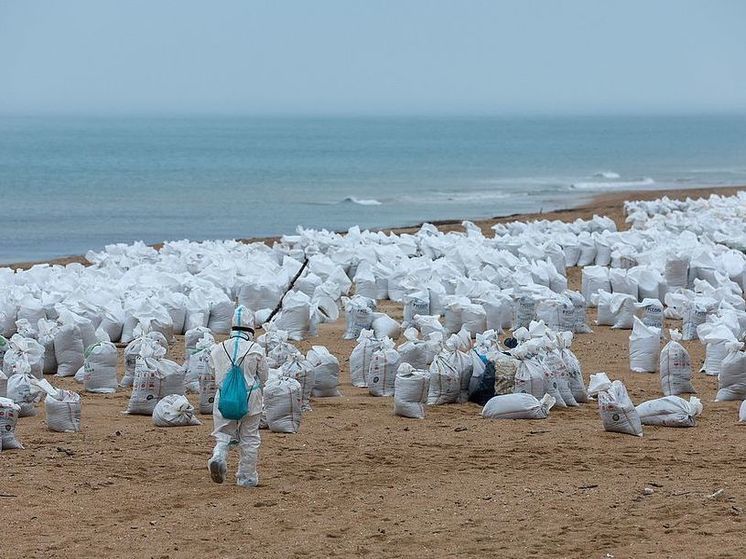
(358, 481)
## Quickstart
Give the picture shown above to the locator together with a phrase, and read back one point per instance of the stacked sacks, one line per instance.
(411, 388)
(384, 363)
(670, 411)
(644, 348)
(361, 356)
(174, 410)
(675, 367)
(325, 372)
(100, 368)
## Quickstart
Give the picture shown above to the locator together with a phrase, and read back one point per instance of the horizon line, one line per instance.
(157, 113)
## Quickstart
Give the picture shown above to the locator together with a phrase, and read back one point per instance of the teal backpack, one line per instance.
(234, 394)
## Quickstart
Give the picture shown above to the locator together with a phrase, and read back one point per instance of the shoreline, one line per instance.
(605, 203)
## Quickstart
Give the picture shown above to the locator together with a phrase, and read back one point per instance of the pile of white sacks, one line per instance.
(680, 260)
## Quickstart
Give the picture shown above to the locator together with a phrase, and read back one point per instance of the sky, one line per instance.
(372, 56)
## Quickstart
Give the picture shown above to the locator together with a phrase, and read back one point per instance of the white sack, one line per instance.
(283, 400)
(670, 411)
(517, 406)
(617, 411)
(644, 348)
(325, 372)
(410, 391)
(63, 412)
(385, 327)
(384, 362)
(100, 368)
(675, 367)
(360, 358)
(9, 414)
(174, 410)
(68, 350)
(732, 378)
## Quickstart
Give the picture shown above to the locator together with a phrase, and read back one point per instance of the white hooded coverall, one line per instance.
(250, 356)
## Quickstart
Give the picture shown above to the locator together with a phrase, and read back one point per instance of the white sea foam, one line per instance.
(361, 201)
(607, 175)
(611, 185)
(459, 197)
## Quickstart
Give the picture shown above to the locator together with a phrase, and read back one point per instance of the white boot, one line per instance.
(247, 481)
(217, 464)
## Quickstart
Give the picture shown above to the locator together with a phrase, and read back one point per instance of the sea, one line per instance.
(71, 183)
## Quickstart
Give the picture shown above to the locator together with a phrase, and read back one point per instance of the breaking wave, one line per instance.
(609, 185)
(361, 201)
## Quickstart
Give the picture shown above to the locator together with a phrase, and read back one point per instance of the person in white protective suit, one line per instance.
(241, 350)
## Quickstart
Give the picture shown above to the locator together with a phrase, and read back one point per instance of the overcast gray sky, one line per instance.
(374, 56)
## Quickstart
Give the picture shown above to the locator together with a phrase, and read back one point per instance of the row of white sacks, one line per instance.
(185, 285)
(159, 385)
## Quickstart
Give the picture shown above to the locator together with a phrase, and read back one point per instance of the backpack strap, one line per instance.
(240, 361)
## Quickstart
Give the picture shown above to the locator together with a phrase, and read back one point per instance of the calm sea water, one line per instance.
(72, 184)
